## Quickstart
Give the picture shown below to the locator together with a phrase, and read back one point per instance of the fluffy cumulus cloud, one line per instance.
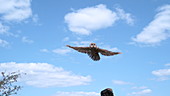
(144, 92)
(45, 75)
(77, 94)
(15, 10)
(157, 30)
(86, 20)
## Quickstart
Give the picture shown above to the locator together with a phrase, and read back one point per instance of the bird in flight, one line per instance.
(93, 51)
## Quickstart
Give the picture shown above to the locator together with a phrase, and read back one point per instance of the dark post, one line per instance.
(107, 92)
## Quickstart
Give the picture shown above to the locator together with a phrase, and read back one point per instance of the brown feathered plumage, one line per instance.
(93, 51)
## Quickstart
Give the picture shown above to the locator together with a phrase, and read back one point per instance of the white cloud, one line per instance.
(81, 43)
(66, 39)
(113, 49)
(161, 74)
(77, 94)
(3, 43)
(45, 75)
(86, 20)
(141, 93)
(162, 78)
(61, 51)
(3, 29)
(108, 47)
(167, 64)
(44, 50)
(15, 10)
(26, 40)
(157, 30)
(119, 82)
(125, 16)
(141, 87)
(35, 18)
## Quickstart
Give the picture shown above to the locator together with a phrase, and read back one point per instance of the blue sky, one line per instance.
(33, 35)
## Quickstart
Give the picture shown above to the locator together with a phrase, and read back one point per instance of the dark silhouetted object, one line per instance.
(93, 51)
(107, 92)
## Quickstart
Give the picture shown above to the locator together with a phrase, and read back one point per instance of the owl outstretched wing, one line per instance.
(107, 53)
(80, 49)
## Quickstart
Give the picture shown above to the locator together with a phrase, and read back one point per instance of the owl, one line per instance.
(93, 51)
(107, 92)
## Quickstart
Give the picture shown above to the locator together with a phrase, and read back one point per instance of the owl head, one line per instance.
(93, 45)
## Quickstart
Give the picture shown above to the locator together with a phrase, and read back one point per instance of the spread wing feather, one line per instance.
(107, 53)
(80, 49)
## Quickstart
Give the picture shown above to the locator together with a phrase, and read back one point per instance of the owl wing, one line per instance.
(80, 49)
(107, 53)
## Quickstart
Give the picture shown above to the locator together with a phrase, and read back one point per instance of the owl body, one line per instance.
(93, 54)
(93, 51)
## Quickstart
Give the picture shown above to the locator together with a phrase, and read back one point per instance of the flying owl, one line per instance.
(93, 51)
(107, 92)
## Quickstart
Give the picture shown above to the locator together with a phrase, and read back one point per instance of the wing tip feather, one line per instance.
(68, 46)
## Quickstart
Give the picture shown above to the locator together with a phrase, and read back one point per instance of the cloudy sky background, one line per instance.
(33, 35)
